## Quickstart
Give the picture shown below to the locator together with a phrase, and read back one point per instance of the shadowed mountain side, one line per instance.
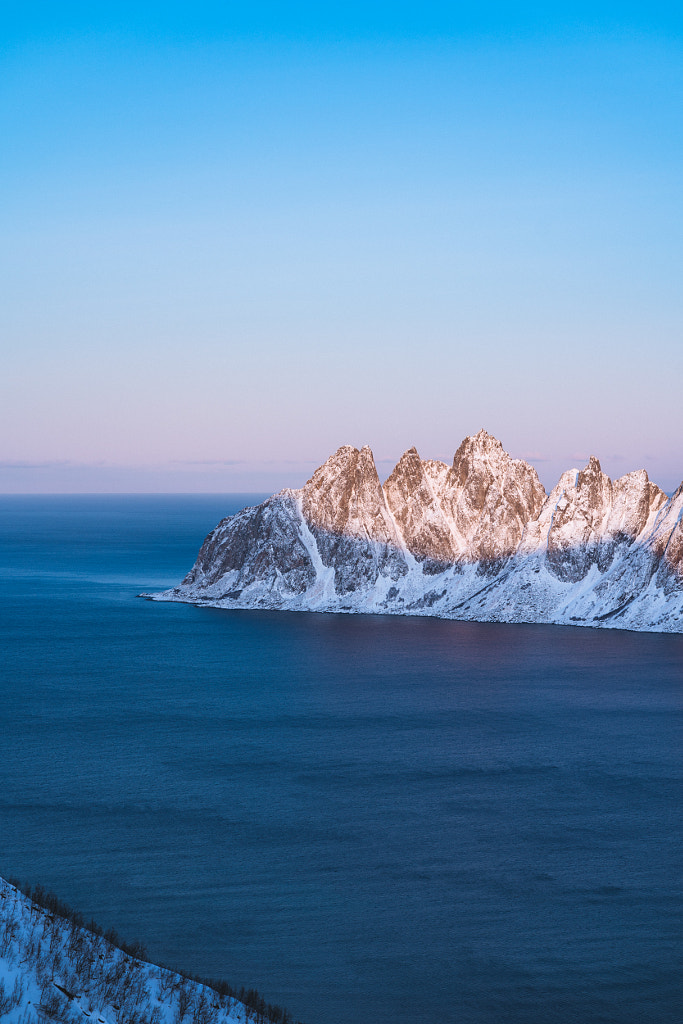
(667, 539)
(479, 539)
(259, 543)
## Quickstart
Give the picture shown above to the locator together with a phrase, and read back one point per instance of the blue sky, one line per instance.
(237, 236)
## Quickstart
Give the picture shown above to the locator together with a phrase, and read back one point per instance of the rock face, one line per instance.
(489, 497)
(474, 511)
(476, 540)
(351, 527)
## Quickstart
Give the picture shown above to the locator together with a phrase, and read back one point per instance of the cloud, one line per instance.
(582, 457)
(534, 457)
(285, 462)
(208, 462)
(245, 462)
(15, 464)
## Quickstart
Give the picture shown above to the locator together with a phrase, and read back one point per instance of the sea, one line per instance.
(370, 819)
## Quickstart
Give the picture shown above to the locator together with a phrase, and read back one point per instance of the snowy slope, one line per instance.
(477, 540)
(54, 969)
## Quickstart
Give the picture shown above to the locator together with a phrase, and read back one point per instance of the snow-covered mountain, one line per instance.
(479, 539)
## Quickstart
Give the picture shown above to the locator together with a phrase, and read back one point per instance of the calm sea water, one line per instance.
(372, 820)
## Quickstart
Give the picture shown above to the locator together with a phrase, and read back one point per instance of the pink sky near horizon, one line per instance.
(264, 477)
(224, 258)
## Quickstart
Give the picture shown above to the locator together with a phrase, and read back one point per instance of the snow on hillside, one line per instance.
(53, 968)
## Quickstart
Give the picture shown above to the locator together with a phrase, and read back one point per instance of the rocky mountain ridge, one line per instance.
(479, 539)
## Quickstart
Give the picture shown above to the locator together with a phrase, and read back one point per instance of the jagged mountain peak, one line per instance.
(340, 467)
(591, 471)
(483, 438)
(410, 460)
(412, 496)
(344, 496)
(474, 510)
(484, 454)
(489, 497)
(411, 453)
(477, 446)
(593, 487)
(593, 551)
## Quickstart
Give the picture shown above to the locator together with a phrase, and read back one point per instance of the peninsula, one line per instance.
(479, 540)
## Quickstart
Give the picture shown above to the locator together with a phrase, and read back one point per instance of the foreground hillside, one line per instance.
(54, 968)
(478, 540)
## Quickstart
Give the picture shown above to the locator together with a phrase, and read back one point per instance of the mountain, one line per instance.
(479, 539)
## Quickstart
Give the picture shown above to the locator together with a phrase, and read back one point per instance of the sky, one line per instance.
(236, 236)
